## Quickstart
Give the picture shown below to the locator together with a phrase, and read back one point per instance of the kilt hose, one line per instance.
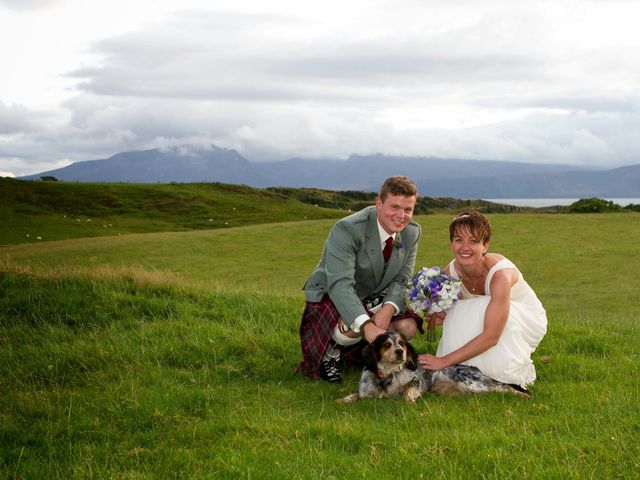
(318, 321)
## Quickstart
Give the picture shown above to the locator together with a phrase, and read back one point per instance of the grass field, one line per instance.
(172, 355)
(32, 211)
(43, 211)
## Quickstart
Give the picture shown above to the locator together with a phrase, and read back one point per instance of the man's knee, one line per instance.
(405, 326)
(343, 335)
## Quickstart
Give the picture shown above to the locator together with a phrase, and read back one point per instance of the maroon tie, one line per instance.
(388, 246)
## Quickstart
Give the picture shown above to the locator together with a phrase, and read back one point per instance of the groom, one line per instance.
(357, 290)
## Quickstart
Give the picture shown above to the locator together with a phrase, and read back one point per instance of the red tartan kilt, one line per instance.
(318, 321)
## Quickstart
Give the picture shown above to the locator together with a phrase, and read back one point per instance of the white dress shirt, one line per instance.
(360, 320)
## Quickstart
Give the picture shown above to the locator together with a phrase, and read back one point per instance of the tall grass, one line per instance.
(173, 356)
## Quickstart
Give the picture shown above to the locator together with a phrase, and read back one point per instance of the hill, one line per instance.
(33, 211)
(366, 172)
(436, 177)
(61, 210)
(183, 164)
(615, 183)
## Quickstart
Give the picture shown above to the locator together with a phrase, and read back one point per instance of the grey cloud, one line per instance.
(29, 4)
(231, 57)
(121, 84)
(595, 103)
(352, 73)
(96, 115)
(288, 131)
(394, 65)
(589, 139)
(240, 82)
(14, 119)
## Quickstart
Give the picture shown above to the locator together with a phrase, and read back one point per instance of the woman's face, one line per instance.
(467, 249)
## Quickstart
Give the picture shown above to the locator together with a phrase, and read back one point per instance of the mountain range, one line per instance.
(435, 177)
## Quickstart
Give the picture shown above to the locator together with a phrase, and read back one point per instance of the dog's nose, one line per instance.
(399, 351)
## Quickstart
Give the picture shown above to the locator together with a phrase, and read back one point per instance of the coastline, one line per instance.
(549, 202)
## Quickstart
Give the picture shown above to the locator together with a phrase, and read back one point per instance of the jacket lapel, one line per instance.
(373, 246)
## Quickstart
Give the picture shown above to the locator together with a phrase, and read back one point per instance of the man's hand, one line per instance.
(371, 331)
(382, 318)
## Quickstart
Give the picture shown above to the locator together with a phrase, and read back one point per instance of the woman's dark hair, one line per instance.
(475, 222)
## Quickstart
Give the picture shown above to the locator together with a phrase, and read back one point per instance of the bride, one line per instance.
(499, 321)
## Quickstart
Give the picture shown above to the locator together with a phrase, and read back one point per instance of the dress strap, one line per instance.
(454, 274)
(452, 270)
(502, 264)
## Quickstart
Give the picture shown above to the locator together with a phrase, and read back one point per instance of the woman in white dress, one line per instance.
(499, 321)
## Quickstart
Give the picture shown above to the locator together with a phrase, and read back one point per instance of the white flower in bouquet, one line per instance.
(431, 291)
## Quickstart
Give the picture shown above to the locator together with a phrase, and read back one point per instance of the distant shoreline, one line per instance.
(549, 202)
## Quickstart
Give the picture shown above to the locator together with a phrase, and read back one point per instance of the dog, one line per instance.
(391, 368)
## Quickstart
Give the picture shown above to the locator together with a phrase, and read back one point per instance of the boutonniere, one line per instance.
(397, 243)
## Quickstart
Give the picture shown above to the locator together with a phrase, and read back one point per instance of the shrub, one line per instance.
(594, 205)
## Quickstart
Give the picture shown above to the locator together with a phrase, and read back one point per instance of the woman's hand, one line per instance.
(437, 318)
(431, 362)
(433, 320)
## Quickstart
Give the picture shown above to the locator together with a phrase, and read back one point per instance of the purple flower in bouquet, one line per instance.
(431, 291)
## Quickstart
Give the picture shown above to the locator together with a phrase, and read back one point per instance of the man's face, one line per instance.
(395, 212)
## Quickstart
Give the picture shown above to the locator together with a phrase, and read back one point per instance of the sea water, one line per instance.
(549, 202)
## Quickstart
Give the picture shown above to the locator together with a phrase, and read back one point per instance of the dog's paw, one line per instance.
(349, 398)
(412, 394)
(520, 394)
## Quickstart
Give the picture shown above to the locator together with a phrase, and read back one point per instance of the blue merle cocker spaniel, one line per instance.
(391, 369)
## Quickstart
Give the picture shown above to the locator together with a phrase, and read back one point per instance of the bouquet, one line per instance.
(431, 291)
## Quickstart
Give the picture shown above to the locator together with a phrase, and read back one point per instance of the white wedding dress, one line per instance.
(510, 360)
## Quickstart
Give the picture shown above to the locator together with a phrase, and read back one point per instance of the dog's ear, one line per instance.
(412, 357)
(369, 358)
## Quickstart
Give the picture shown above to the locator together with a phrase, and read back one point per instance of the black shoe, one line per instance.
(330, 371)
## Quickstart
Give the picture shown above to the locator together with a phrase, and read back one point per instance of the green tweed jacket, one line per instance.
(352, 269)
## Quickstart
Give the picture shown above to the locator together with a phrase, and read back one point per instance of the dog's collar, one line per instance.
(382, 380)
(381, 373)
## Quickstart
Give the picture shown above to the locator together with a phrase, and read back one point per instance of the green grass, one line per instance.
(40, 211)
(172, 355)
(31, 212)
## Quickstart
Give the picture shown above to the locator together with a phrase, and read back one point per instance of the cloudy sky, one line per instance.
(554, 81)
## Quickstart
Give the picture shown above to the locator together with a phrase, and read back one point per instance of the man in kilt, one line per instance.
(357, 291)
